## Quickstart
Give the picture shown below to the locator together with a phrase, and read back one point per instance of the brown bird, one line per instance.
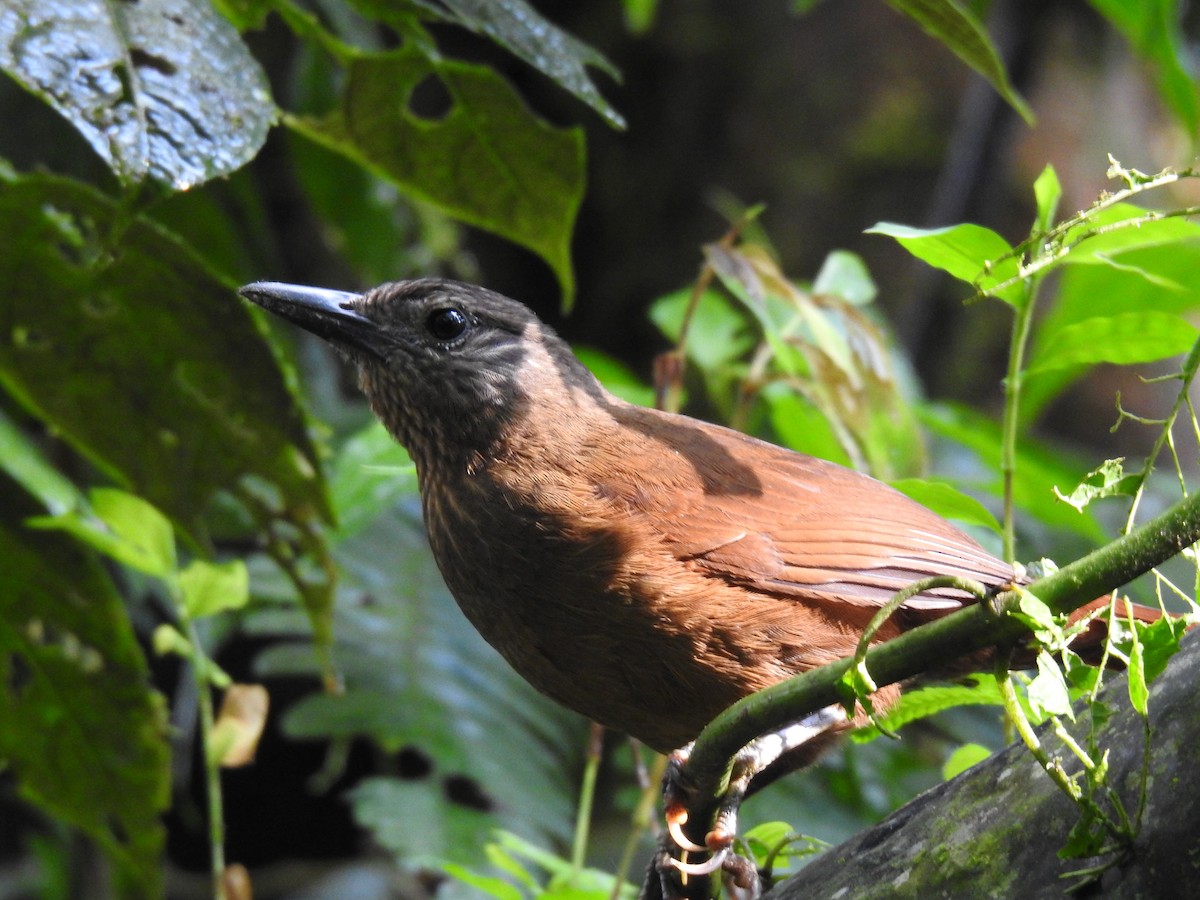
(643, 568)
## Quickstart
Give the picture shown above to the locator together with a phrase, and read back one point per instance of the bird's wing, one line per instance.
(791, 525)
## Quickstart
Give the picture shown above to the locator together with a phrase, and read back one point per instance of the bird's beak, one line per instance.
(327, 314)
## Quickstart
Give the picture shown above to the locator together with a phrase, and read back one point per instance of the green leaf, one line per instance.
(1108, 480)
(1153, 28)
(1047, 191)
(616, 376)
(488, 161)
(370, 474)
(121, 526)
(489, 885)
(522, 30)
(163, 89)
(83, 732)
(963, 758)
(1135, 286)
(970, 253)
(171, 386)
(924, 702)
(138, 524)
(947, 501)
(955, 27)
(845, 275)
(800, 425)
(1039, 618)
(1139, 686)
(1047, 691)
(209, 588)
(26, 465)
(1123, 339)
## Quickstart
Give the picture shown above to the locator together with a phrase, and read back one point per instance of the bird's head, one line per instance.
(445, 365)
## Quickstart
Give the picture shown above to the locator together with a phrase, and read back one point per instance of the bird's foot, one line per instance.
(679, 795)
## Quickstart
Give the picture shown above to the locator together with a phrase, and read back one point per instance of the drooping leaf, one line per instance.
(487, 161)
(1047, 692)
(523, 31)
(161, 89)
(83, 732)
(954, 26)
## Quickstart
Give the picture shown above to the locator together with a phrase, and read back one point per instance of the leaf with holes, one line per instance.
(488, 161)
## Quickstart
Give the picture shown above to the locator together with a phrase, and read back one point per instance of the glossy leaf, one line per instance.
(523, 31)
(161, 89)
(486, 161)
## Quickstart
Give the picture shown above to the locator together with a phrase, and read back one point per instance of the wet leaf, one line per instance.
(161, 89)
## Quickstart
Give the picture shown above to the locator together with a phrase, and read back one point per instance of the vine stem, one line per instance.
(212, 764)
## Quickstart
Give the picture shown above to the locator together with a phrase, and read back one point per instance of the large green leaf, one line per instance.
(141, 358)
(1159, 279)
(418, 677)
(82, 730)
(487, 160)
(163, 89)
(1134, 337)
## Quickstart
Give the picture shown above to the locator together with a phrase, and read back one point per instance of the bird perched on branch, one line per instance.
(643, 568)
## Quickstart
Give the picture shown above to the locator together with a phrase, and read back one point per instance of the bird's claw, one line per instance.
(713, 864)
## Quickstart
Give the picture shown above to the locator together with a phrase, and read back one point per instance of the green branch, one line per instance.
(935, 645)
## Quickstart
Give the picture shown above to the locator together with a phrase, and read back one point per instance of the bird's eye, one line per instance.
(446, 324)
